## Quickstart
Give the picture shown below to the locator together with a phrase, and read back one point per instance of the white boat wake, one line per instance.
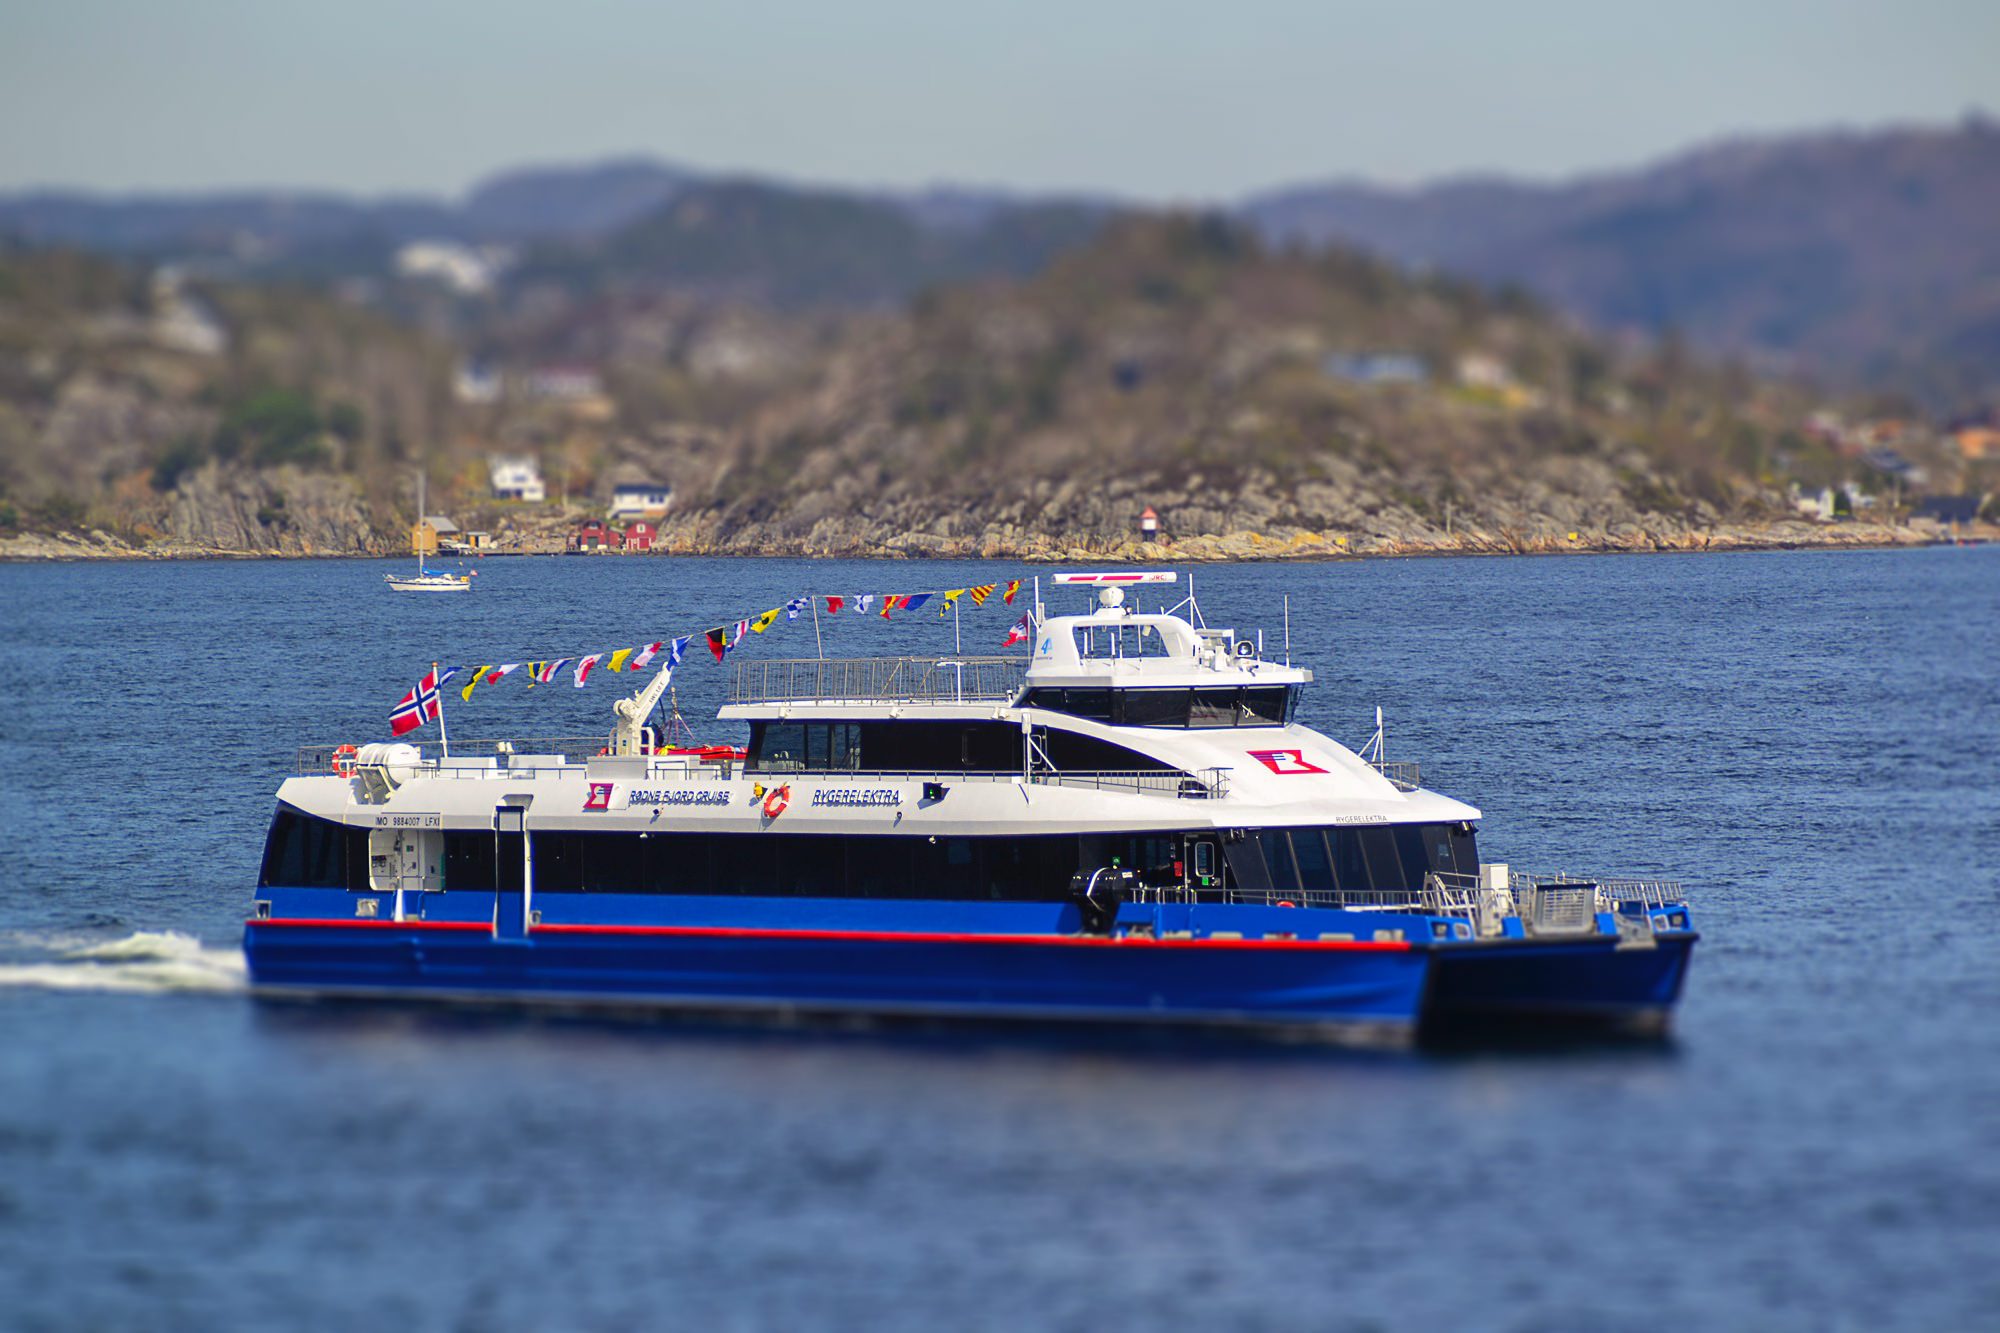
(146, 961)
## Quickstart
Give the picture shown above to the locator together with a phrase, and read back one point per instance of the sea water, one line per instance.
(1808, 740)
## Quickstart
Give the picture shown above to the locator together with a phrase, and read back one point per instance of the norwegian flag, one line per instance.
(417, 707)
(1023, 630)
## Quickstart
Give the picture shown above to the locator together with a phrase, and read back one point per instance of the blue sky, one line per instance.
(1158, 100)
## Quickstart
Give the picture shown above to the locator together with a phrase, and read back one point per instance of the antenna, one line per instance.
(1288, 629)
(819, 648)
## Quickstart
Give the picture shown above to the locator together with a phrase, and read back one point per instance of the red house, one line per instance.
(593, 535)
(639, 535)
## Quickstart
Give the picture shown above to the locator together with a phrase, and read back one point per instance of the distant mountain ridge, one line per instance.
(556, 202)
(1870, 258)
(1869, 255)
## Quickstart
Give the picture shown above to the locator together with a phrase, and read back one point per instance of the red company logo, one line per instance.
(1285, 763)
(599, 798)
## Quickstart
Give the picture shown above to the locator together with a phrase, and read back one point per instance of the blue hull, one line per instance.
(1358, 990)
(1578, 983)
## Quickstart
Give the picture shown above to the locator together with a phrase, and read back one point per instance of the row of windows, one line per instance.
(1219, 706)
(1034, 869)
(1368, 859)
(926, 747)
(885, 747)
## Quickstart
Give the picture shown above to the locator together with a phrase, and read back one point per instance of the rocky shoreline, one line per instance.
(689, 539)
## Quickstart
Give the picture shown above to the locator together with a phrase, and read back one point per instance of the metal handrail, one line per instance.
(1403, 773)
(573, 753)
(878, 680)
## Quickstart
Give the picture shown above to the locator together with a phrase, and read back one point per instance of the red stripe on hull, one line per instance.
(858, 936)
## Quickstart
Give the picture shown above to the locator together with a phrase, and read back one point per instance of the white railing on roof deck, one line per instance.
(878, 680)
(569, 756)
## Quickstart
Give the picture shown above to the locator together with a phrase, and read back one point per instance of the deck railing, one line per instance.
(878, 680)
(1547, 904)
(1403, 773)
(570, 755)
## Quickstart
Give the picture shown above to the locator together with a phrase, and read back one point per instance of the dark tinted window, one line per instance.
(1267, 705)
(1213, 708)
(778, 746)
(885, 747)
(1217, 706)
(1153, 708)
(468, 861)
(1315, 870)
(302, 851)
(1278, 860)
(1357, 859)
(1086, 703)
(1087, 754)
(1378, 850)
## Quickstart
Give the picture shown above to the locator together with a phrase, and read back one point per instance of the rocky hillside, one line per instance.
(1260, 402)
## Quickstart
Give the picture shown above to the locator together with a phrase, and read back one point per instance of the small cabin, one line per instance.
(1149, 523)
(433, 533)
(593, 534)
(638, 536)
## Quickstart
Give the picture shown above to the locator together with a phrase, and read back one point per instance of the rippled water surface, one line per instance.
(1808, 740)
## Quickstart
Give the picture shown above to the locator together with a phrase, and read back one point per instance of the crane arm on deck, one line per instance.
(633, 712)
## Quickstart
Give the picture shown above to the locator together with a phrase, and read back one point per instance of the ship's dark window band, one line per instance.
(769, 865)
(1219, 706)
(1007, 869)
(304, 851)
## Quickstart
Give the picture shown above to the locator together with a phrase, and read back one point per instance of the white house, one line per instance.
(640, 499)
(517, 479)
(476, 382)
(460, 267)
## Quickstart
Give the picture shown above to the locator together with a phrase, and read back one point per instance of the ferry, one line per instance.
(1129, 825)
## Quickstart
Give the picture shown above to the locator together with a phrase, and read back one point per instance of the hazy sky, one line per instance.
(1155, 99)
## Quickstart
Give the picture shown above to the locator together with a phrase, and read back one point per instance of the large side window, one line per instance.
(1267, 705)
(1278, 860)
(778, 747)
(468, 861)
(1385, 870)
(1086, 754)
(1315, 869)
(1153, 708)
(302, 851)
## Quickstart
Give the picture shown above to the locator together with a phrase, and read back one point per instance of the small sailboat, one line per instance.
(426, 580)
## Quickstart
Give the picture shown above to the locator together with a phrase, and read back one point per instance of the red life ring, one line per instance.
(343, 760)
(775, 803)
